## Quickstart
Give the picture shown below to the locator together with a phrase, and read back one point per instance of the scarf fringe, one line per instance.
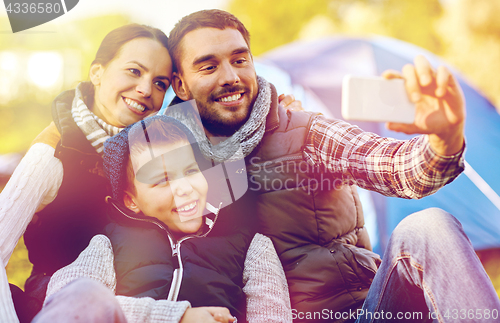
(95, 130)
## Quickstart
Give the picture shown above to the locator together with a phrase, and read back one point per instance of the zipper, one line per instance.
(175, 286)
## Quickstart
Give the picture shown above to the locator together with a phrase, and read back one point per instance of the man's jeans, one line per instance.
(430, 273)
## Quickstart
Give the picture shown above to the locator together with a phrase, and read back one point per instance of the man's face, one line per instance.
(216, 69)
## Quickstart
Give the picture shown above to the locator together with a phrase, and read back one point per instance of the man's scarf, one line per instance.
(95, 130)
(243, 141)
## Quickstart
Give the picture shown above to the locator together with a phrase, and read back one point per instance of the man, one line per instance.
(318, 229)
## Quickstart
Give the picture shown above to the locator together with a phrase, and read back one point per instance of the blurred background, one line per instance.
(39, 63)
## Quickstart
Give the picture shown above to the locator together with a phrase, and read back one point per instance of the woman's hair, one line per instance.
(115, 39)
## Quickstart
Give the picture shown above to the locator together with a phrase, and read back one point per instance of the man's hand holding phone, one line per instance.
(433, 103)
(439, 103)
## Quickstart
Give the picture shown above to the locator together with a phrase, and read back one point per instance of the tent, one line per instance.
(313, 71)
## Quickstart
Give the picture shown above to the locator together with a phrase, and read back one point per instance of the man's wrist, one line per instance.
(449, 166)
(449, 145)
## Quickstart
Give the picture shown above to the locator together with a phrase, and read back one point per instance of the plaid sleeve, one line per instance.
(403, 168)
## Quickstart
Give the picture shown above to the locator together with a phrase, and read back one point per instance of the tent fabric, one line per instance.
(317, 67)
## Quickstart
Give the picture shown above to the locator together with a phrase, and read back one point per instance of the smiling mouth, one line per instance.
(187, 210)
(135, 105)
(230, 98)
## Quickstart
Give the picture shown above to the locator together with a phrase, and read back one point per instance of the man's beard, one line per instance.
(218, 125)
(214, 122)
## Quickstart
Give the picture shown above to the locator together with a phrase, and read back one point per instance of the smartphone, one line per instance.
(376, 99)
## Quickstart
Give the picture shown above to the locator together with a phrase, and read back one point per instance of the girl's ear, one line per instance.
(179, 86)
(95, 74)
(130, 203)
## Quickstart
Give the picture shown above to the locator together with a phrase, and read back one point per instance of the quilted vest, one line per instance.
(314, 220)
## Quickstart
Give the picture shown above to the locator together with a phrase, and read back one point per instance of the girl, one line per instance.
(163, 245)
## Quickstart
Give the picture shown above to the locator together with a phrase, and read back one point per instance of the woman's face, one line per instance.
(173, 190)
(132, 85)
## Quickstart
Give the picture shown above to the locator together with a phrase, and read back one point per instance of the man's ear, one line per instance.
(129, 201)
(95, 74)
(179, 86)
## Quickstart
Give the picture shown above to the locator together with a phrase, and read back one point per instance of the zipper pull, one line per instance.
(212, 208)
(209, 222)
(175, 260)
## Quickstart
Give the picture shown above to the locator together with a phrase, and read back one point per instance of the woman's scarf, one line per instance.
(95, 129)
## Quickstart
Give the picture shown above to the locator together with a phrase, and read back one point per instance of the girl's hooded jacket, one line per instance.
(146, 268)
(205, 269)
(225, 264)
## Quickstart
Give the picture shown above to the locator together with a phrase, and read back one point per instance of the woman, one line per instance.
(60, 178)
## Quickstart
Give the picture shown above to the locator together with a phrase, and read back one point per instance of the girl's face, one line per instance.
(132, 85)
(173, 190)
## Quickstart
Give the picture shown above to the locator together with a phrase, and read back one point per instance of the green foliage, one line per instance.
(20, 124)
(272, 24)
(29, 112)
(277, 22)
(482, 16)
(471, 30)
(413, 21)
(86, 36)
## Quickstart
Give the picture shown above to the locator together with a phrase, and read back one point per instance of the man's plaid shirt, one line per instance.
(403, 168)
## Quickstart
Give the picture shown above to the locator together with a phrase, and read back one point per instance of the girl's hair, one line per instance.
(115, 39)
(155, 133)
(158, 129)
